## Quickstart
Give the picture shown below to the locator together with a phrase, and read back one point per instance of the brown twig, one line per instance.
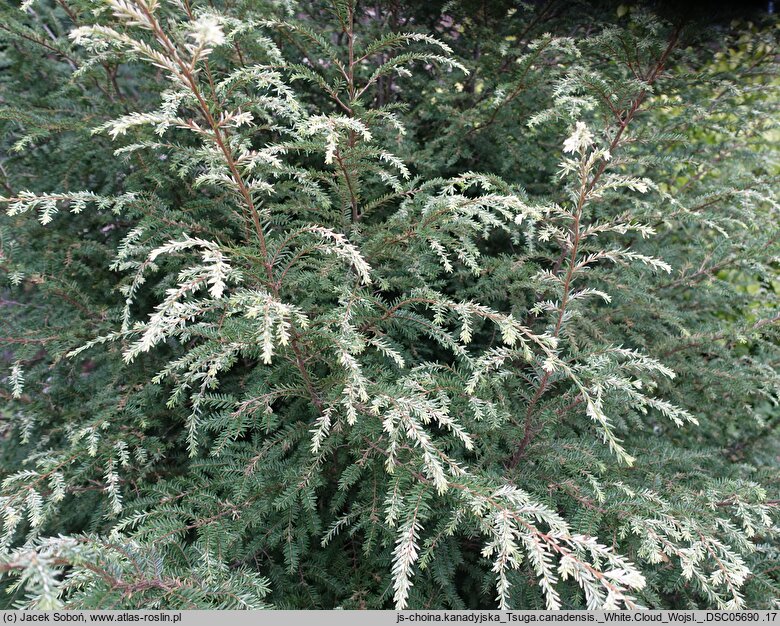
(585, 188)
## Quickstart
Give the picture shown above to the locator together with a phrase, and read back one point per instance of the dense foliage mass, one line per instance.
(312, 304)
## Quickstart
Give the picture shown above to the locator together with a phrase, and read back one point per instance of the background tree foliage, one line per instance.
(432, 305)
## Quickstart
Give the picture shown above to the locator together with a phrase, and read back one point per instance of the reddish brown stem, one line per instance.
(585, 189)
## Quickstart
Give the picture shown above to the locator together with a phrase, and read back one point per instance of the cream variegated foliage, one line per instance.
(331, 313)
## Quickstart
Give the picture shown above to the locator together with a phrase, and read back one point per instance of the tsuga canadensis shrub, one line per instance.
(338, 304)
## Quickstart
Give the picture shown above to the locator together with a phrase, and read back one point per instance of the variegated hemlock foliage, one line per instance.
(310, 342)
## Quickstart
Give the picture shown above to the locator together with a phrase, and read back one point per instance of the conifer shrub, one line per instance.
(332, 304)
